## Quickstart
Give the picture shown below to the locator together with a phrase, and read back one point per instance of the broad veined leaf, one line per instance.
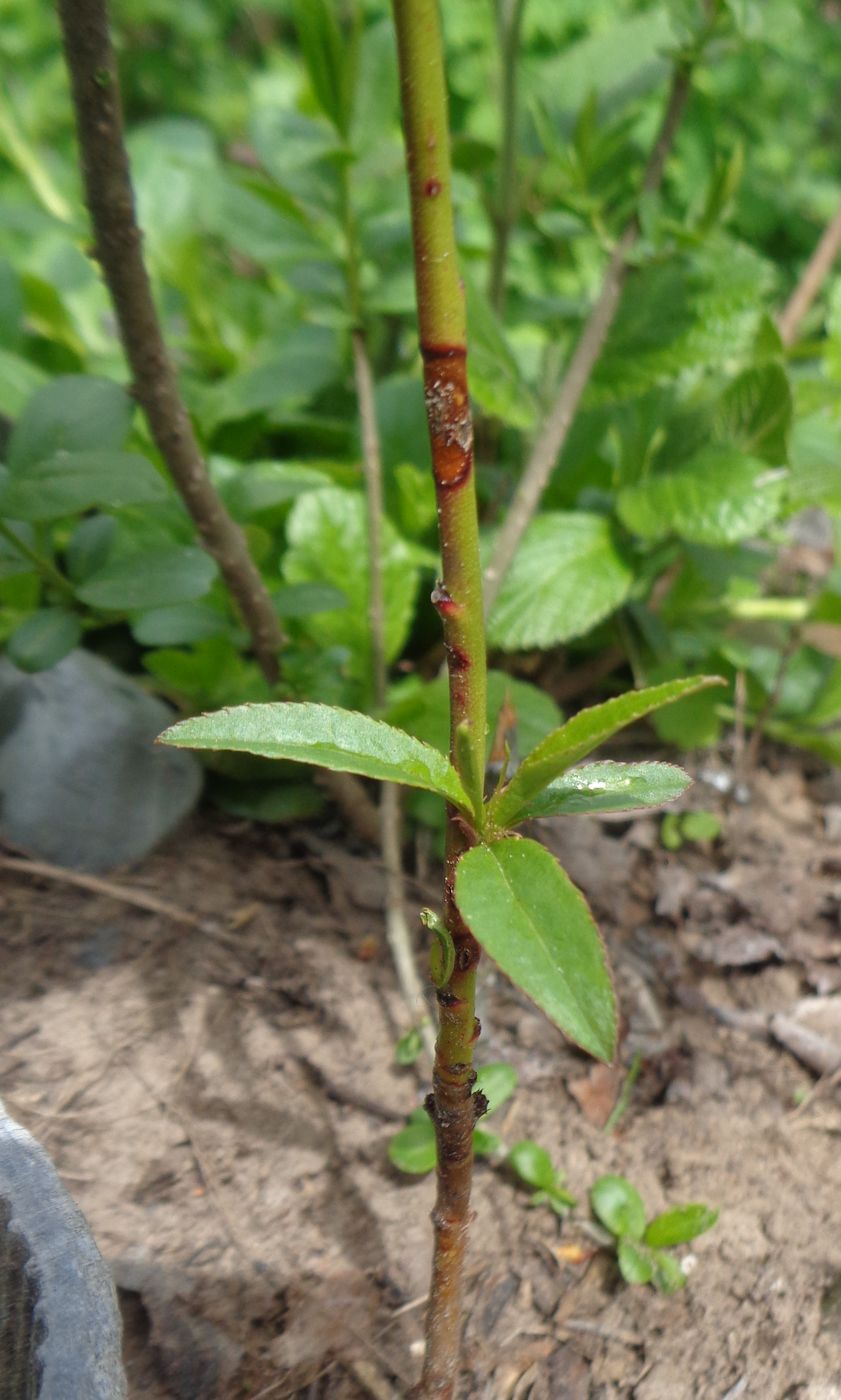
(755, 411)
(568, 574)
(609, 787)
(154, 578)
(72, 481)
(328, 545)
(327, 736)
(74, 413)
(44, 638)
(719, 498)
(528, 915)
(578, 737)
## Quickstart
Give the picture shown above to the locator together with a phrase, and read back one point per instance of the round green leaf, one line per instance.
(532, 1164)
(717, 499)
(333, 738)
(619, 1207)
(151, 579)
(413, 1148)
(44, 639)
(567, 575)
(679, 1225)
(89, 546)
(497, 1082)
(527, 914)
(635, 1265)
(73, 413)
(668, 1275)
(178, 625)
(66, 482)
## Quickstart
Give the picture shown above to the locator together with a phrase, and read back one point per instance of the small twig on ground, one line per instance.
(596, 1329)
(550, 441)
(814, 275)
(95, 884)
(397, 928)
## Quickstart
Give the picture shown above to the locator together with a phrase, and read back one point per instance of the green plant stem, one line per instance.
(45, 567)
(509, 25)
(453, 1106)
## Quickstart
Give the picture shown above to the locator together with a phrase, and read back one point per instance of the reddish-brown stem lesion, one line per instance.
(453, 1104)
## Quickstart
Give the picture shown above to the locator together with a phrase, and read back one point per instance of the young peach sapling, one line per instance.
(501, 892)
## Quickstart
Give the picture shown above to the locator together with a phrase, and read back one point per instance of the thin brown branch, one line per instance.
(550, 441)
(118, 248)
(815, 274)
(95, 884)
(397, 929)
(110, 199)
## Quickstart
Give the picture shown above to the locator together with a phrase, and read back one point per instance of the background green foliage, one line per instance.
(269, 171)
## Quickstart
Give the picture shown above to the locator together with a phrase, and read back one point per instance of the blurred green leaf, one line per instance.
(75, 413)
(718, 498)
(568, 575)
(66, 482)
(154, 579)
(44, 638)
(679, 1225)
(619, 1207)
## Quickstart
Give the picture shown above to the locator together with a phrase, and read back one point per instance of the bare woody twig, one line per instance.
(815, 274)
(397, 929)
(551, 439)
(110, 198)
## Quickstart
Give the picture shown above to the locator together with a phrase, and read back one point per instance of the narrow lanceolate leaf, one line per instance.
(578, 737)
(327, 736)
(609, 787)
(527, 914)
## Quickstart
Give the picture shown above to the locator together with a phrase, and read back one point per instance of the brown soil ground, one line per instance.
(219, 1097)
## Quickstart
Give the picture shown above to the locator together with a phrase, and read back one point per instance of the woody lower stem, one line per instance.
(453, 1106)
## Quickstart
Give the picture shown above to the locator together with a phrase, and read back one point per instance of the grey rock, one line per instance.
(81, 781)
(59, 1322)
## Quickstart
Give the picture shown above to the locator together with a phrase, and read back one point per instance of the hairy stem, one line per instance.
(458, 598)
(509, 24)
(110, 198)
(550, 441)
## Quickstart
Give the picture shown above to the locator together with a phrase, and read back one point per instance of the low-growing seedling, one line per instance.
(642, 1247)
(501, 892)
(678, 828)
(533, 1166)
